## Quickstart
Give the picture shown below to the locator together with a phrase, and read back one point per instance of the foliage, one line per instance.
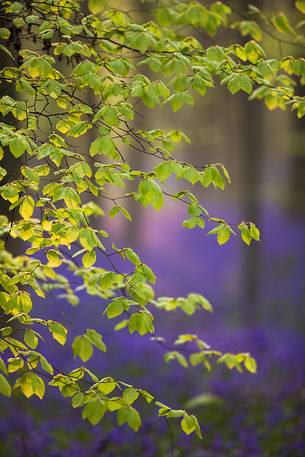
(77, 75)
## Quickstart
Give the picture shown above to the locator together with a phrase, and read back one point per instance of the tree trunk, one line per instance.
(252, 156)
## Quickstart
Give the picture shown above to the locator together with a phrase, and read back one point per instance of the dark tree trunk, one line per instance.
(252, 156)
(8, 162)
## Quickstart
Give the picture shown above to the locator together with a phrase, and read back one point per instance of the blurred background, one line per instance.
(257, 292)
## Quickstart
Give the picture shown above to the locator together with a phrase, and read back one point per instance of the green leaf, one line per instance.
(250, 364)
(129, 415)
(104, 145)
(96, 6)
(45, 365)
(281, 23)
(77, 399)
(150, 193)
(130, 395)
(218, 180)
(216, 54)
(109, 115)
(192, 222)
(30, 338)
(4, 33)
(141, 292)
(122, 324)
(8, 52)
(179, 99)
(3, 173)
(254, 232)
(106, 385)
(82, 348)
(178, 356)
(164, 170)
(223, 235)
(89, 259)
(71, 198)
(88, 238)
(150, 96)
(245, 233)
(3, 366)
(54, 258)
(250, 28)
(117, 209)
(181, 83)
(132, 256)
(27, 206)
(201, 300)
(199, 85)
(15, 364)
(5, 388)
(94, 411)
(115, 308)
(191, 175)
(141, 322)
(254, 51)
(96, 339)
(196, 358)
(31, 384)
(240, 82)
(300, 5)
(119, 67)
(188, 424)
(207, 176)
(58, 331)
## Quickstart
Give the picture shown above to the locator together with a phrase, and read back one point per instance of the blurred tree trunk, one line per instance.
(296, 196)
(137, 161)
(252, 157)
(8, 162)
(251, 166)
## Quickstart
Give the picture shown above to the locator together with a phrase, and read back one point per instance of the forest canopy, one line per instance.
(74, 77)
